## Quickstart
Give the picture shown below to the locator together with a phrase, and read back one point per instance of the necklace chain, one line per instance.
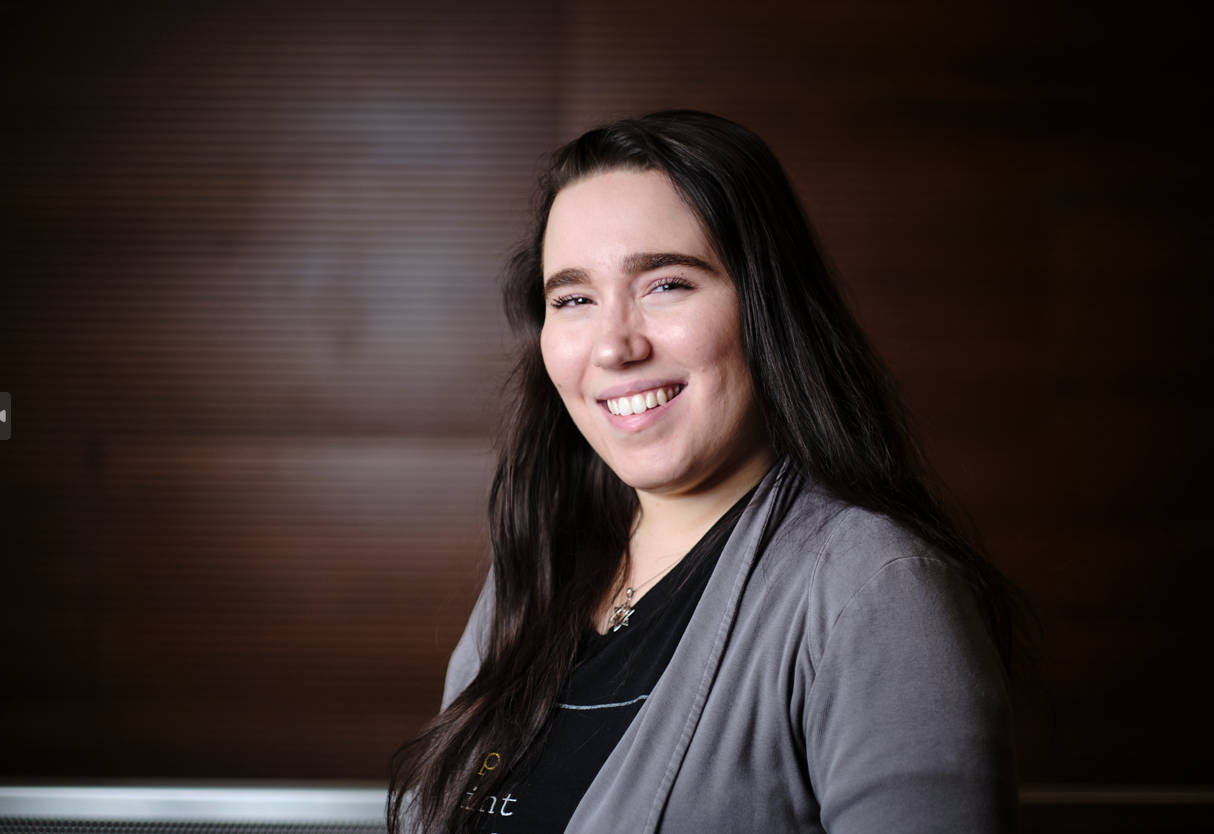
(620, 613)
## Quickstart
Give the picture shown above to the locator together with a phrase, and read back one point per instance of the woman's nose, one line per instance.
(621, 339)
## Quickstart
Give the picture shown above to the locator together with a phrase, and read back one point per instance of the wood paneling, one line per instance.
(273, 607)
(250, 321)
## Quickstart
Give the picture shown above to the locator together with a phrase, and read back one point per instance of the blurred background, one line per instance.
(249, 319)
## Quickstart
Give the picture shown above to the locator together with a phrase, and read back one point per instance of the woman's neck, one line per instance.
(669, 525)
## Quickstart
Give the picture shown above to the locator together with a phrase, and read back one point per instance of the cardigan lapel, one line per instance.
(630, 792)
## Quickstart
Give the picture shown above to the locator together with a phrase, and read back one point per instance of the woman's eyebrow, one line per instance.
(648, 261)
(633, 265)
(571, 277)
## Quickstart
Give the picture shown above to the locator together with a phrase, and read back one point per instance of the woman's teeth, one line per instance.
(639, 403)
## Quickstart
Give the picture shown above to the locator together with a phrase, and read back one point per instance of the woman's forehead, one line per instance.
(613, 221)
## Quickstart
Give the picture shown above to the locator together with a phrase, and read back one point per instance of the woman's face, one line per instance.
(642, 337)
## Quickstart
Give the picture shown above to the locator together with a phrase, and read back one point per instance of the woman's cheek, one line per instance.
(548, 352)
(559, 359)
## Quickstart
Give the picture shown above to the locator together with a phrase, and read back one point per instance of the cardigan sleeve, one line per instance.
(908, 720)
(469, 652)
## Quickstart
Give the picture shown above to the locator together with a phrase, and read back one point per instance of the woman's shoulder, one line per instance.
(470, 650)
(830, 557)
(824, 539)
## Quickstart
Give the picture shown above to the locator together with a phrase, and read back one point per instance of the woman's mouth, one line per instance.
(645, 400)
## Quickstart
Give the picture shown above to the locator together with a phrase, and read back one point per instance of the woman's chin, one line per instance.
(646, 476)
(659, 476)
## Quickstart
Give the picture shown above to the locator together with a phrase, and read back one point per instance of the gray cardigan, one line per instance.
(836, 676)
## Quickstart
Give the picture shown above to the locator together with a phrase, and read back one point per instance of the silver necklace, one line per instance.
(620, 613)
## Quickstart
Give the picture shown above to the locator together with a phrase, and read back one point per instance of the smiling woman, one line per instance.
(724, 596)
(652, 319)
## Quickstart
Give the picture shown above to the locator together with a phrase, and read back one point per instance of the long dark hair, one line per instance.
(560, 519)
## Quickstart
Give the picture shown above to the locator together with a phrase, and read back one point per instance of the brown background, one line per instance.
(250, 324)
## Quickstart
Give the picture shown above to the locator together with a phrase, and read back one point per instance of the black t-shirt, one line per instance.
(612, 676)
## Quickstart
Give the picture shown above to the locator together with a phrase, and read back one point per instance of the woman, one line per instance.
(723, 595)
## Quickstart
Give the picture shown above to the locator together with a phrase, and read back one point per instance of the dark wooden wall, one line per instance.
(250, 324)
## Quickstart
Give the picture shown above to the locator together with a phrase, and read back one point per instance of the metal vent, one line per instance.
(191, 810)
(75, 826)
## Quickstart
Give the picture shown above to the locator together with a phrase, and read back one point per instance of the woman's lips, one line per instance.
(643, 401)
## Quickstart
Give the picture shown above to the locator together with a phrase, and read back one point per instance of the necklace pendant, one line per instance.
(619, 619)
(621, 612)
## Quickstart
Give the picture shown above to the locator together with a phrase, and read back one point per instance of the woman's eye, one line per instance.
(569, 301)
(672, 284)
